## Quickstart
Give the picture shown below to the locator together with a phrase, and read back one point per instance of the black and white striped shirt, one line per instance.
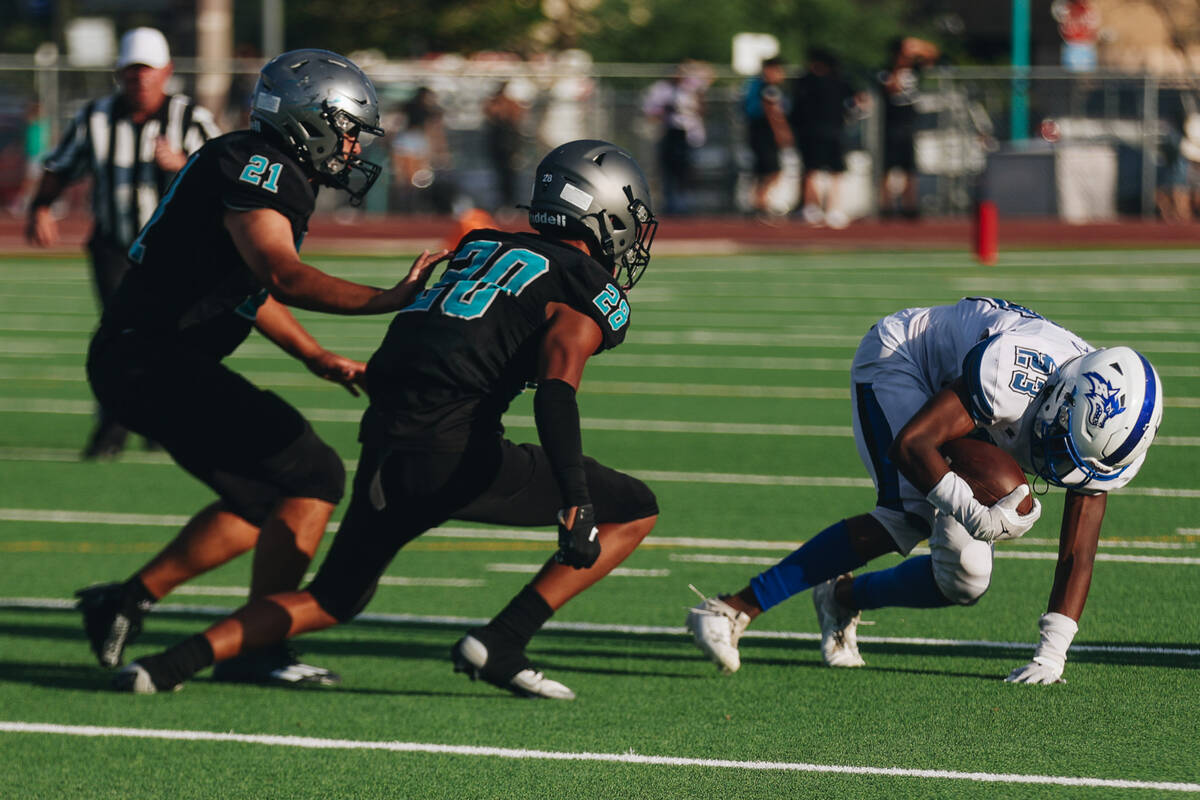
(119, 154)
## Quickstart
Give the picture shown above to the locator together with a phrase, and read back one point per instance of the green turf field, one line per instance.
(729, 398)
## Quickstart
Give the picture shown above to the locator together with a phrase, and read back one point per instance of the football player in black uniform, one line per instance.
(512, 308)
(217, 258)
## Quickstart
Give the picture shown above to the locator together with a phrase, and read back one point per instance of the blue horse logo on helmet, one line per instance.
(1103, 398)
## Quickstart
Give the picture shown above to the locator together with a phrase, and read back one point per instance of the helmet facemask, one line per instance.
(1052, 450)
(344, 169)
(631, 265)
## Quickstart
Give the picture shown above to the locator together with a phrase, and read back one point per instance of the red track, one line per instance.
(717, 235)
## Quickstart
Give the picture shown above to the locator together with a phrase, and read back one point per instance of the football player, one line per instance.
(1070, 415)
(217, 258)
(512, 308)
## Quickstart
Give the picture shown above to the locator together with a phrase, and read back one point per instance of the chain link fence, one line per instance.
(1101, 144)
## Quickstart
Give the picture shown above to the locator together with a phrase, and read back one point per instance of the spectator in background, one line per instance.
(767, 131)
(420, 150)
(821, 98)
(900, 89)
(37, 142)
(148, 135)
(1171, 195)
(677, 104)
(503, 116)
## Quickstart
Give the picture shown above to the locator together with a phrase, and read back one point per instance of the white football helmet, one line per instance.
(1095, 417)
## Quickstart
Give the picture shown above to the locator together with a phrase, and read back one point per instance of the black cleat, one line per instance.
(471, 656)
(277, 666)
(109, 625)
(136, 679)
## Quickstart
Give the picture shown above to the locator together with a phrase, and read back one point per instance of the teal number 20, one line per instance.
(469, 290)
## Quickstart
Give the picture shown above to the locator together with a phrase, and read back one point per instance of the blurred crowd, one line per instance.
(790, 134)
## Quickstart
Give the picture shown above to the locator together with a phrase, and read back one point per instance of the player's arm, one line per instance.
(571, 338)
(276, 322)
(915, 453)
(1078, 539)
(263, 238)
(40, 227)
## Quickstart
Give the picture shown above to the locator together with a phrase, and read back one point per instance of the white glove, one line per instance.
(953, 497)
(1050, 657)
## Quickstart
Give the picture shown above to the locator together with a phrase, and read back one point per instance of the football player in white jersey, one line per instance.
(1072, 416)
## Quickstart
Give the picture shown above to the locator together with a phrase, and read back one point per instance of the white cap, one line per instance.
(144, 46)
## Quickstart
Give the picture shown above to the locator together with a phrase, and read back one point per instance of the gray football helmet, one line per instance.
(594, 191)
(317, 101)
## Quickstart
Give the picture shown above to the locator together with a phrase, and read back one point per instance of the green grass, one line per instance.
(762, 340)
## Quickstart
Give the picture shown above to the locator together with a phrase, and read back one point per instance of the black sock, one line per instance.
(175, 665)
(136, 599)
(524, 616)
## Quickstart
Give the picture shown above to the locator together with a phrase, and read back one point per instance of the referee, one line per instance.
(131, 143)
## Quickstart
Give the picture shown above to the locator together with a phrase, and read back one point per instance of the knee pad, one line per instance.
(963, 574)
(307, 468)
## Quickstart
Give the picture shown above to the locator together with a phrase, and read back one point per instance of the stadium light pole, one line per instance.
(1019, 119)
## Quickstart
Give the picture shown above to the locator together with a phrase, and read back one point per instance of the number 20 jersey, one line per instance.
(455, 357)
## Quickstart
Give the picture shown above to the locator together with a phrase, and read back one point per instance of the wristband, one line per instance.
(1057, 632)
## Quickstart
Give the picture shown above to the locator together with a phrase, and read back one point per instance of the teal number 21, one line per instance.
(253, 173)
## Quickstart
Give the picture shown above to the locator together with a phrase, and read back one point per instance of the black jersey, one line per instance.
(187, 279)
(456, 356)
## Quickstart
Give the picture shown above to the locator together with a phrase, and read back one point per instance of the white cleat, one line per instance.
(471, 656)
(839, 628)
(717, 627)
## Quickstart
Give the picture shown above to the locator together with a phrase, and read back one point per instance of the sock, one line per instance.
(909, 584)
(524, 616)
(136, 599)
(825, 556)
(176, 664)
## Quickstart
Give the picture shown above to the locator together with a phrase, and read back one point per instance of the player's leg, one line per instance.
(260, 456)
(396, 497)
(525, 493)
(109, 265)
(884, 396)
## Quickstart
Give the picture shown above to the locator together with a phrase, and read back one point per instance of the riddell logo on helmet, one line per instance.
(546, 218)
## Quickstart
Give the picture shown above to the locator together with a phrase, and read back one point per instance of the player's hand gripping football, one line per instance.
(994, 523)
(578, 542)
(338, 369)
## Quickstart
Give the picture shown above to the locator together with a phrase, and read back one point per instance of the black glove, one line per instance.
(578, 545)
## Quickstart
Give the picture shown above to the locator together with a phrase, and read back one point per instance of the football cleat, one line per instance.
(717, 627)
(136, 679)
(278, 666)
(839, 628)
(471, 657)
(107, 623)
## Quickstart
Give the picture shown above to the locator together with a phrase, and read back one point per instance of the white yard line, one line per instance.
(56, 516)
(475, 751)
(176, 609)
(46, 405)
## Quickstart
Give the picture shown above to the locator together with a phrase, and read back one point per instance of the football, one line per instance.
(989, 471)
